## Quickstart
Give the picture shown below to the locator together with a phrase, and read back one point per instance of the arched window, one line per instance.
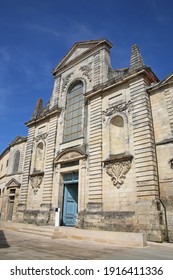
(73, 116)
(39, 157)
(117, 137)
(16, 161)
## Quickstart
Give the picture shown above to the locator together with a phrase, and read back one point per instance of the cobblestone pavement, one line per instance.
(22, 246)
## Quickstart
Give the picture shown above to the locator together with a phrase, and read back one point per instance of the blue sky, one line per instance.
(36, 34)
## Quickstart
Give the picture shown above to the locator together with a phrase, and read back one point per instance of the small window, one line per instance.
(12, 191)
(1, 167)
(7, 163)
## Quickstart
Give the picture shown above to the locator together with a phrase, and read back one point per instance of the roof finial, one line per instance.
(38, 108)
(136, 60)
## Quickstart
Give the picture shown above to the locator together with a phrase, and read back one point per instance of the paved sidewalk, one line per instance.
(22, 246)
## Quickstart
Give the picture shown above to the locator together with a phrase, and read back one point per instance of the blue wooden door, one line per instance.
(70, 204)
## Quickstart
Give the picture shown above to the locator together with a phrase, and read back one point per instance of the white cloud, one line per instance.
(43, 29)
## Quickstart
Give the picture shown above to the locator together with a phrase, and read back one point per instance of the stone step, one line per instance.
(28, 228)
(110, 237)
(38, 232)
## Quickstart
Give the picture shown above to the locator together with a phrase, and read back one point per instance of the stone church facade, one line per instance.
(100, 152)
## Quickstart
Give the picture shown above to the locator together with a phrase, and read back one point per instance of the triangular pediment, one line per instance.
(78, 50)
(18, 140)
(13, 183)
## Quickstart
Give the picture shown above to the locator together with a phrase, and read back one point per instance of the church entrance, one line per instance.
(70, 205)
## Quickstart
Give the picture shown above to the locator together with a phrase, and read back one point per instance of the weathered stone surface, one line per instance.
(118, 144)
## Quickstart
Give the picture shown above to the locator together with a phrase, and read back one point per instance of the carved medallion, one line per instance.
(36, 182)
(117, 171)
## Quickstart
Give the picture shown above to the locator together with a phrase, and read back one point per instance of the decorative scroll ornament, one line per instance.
(117, 108)
(36, 182)
(66, 81)
(86, 71)
(41, 137)
(70, 156)
(117, 171)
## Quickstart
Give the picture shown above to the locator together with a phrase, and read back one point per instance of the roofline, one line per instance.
(4, 152)
(98, 42)
(161, 84)
(115, 82)
(24, 139)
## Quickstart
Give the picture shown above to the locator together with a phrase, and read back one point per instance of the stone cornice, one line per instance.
(164, 142)
(44, 117)
(100, 89)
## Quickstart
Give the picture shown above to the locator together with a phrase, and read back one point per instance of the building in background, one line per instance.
(101, 150)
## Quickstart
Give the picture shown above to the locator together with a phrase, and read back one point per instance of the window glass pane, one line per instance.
(75, 113)
(69, 116)
(75, 121)
(68, 123)
(75, 106)
(74, 128)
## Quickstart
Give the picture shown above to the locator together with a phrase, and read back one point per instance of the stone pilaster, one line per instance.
(97, 69)
(95, 150)
(169, 105)
(27, 164)
(50, 154)
(56, 91)
(148, 208)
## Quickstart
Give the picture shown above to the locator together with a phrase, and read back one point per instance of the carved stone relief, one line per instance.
(66, 81)
(115, 109)
(69, 156)
(86, 71)
(36, 182)
(41, 137)
(117, 171)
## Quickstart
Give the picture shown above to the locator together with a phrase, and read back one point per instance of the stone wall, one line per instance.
(162, 108)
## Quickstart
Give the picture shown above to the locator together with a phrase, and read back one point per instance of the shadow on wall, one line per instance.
(3, 241)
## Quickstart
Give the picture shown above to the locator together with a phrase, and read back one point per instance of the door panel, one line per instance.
(70, 204)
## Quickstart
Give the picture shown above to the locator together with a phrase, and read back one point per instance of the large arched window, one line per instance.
(16, 161)
(73, 116)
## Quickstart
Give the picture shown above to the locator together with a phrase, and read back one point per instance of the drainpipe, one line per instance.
(165, 214)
